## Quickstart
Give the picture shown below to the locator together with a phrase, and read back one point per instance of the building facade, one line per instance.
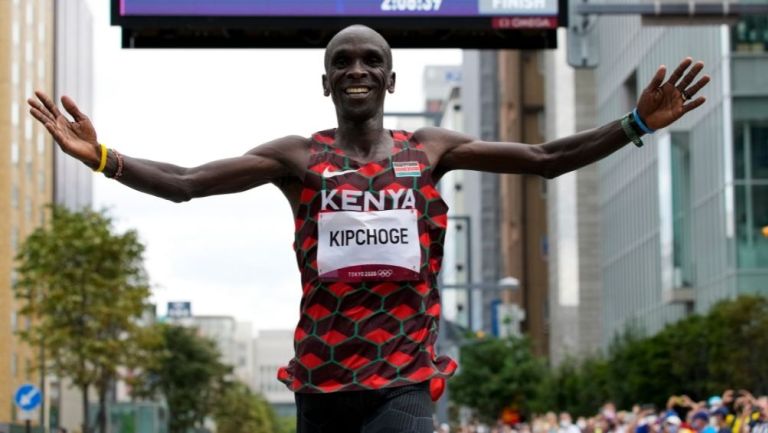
(273, 349)
(480, 118)
(72, 181)
(573, 239)
(26, 161)
(73, 77)
(682, 218)
(648, 236)
(522, 198)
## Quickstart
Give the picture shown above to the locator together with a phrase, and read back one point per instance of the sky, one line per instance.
(228, 255)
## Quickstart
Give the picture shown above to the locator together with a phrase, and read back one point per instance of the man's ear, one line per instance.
(391, 84)
(326, 88)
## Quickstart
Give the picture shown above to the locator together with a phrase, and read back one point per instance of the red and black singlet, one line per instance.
(369, 244)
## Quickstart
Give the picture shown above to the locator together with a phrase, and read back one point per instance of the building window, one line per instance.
(14, 153)
(15, 32)
(30, 13)
(14, 320)
(41, 180)
(28, 210)
(14, 240)
(28, 128)
(15, 196)
(750, 159)
(14, 113)
(41, 142)
(629, 92)
(15, 72)
(14, 365)
(681, 209)
(41, 23)
(750, 35)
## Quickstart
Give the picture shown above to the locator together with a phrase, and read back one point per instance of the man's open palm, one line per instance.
(662, 103)
(76, 138)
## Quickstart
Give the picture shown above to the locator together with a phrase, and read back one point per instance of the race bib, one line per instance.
(369, 246)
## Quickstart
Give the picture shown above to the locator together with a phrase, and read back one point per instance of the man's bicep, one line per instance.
(258, 166)
(497, 157)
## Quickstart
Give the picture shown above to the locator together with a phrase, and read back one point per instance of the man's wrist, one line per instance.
(630, 130)
(111, 167)
(640, 123)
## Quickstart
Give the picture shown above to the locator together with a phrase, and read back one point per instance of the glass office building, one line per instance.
(684, 219)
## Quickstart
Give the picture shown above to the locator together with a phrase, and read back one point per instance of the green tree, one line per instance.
(738, 331)
(577, 387)
(285, 424)
(496, 373)
(84, 288)
(185, 369)
(241, 411)
(700, 356)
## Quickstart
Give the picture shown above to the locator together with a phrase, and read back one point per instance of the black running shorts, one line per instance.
(404, 409)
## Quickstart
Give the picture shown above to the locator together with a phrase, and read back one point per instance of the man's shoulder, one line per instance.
(435, 135)
(286, 144)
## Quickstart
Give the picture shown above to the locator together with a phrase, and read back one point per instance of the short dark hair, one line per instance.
(359, 28)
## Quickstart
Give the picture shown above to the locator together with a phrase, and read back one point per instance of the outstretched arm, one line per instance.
(660, 104)
(266, 163)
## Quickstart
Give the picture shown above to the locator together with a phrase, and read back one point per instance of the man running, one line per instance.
(370, 226)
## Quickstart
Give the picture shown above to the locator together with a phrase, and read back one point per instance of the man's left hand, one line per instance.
(663, 102)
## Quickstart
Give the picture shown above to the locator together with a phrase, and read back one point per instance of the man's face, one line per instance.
(698, 424)
(358, 74)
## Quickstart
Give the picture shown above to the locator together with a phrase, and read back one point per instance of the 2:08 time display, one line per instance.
(410, 5)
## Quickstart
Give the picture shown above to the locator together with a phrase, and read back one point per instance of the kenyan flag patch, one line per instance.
(407, 169)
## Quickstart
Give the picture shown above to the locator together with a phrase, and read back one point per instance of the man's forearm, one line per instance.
(581, 149)
(156, 178)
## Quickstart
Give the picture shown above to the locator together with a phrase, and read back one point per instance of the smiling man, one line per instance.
(370, 226)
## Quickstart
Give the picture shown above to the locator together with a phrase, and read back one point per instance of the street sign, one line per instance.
(178, 310)
(28, 397)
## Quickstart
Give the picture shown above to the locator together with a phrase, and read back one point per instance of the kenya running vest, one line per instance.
(369, 244)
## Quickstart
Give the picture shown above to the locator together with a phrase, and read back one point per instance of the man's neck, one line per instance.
(362, 138)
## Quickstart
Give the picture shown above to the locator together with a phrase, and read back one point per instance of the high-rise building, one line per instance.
(26, 162)
(522, 202)
(480, 118)
(652, 234)
(573, 238)
(74, 77)
(682, 217)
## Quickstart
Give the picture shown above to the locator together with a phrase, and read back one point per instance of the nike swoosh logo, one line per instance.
(328, 173)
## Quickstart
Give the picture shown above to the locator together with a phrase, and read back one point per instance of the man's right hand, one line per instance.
(77, 138)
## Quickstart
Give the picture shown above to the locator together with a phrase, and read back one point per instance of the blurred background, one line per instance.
(617, 289)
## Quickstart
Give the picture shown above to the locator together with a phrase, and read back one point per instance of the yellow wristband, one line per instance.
(103, 163)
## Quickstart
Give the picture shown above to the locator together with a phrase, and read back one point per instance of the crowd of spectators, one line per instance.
(733, 412)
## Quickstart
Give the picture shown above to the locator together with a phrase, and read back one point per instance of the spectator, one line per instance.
(721, 420)
(700, 423)
(567, 425)
(671, 423)
(759, 420)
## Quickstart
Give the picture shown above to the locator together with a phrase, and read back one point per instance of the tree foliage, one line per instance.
(185, 369)
(241, 411)
(700, 356)
(496, 373)
(84, 288)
